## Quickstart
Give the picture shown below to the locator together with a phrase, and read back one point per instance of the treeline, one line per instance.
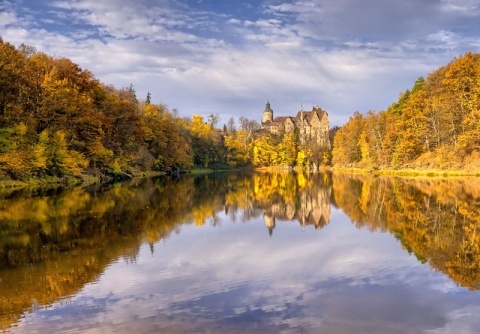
(435, 125)
(59, 120)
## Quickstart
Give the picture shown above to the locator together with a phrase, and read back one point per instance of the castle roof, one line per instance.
(267, 108)
(281, 119)
(301, 115)
(308, 115)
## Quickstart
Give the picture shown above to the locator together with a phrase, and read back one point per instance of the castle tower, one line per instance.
(269, 222)
(267, 113)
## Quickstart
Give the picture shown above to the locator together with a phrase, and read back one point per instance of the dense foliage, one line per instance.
(57, 119)
(433, 125)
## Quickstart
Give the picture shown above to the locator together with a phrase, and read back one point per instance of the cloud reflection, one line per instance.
(341, 276)
(340, 279)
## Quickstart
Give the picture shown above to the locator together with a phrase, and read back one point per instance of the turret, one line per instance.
(269, 222)
(267, 113)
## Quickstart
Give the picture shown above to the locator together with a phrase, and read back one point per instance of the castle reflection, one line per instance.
(52, 243)
(308, 200)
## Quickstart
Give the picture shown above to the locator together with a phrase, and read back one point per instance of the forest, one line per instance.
(58, 121)
(434, 125)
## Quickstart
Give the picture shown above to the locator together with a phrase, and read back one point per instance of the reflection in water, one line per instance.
(52, 244)
(287, 197)
(436, 219)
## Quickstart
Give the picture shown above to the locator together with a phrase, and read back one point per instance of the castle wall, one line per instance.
(313, 125)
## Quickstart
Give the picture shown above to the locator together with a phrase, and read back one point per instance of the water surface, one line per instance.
(262, 253)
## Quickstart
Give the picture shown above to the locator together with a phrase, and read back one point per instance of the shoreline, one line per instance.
(407, 172)
(71, 181)
(86, 180)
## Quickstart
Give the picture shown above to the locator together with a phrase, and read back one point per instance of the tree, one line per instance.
(60, 159)
(213, 120)
(264, 151)
(345, 148)
(237, 153)
(133, 93)
(13, 83)
(231, 129)
(206, 142)
(288, 150)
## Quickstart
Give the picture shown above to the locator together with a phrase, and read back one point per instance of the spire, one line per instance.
(267, 113)
(267, 107)
(301, 113)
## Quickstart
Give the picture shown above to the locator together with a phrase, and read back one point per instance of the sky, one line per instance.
(229, 57)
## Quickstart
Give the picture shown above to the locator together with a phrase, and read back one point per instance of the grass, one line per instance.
(201, 170)
(409, 172)
(214, 168)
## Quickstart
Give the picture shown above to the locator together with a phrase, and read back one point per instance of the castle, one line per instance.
(312, 125)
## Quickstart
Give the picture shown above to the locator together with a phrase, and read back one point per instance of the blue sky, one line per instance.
(230, 57)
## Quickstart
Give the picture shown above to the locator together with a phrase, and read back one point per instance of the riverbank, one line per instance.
(408, 172)
(216, 168)
(83, 180)
(89, 179)
(389, 172)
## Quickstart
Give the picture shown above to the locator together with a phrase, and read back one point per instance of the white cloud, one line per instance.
(7, 18)
(445, 39)
(465, 320)
(343, 55)
(302, 7)
(465, 7)
(234, 21)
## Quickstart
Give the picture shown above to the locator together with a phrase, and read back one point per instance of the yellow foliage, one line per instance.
(302, 160)
(151, 110)
(21, 129)
(68, 161)
(39, 158)
(199, 128)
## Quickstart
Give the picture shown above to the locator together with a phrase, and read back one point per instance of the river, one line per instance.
(243, 253)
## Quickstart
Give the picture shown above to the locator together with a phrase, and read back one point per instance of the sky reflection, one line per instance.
(235, 277)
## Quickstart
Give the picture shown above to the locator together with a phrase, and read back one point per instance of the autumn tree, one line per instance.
(213, 120)
(346, 149)
(237, 149)
(264, 151)
(432, 125)
(206, 142)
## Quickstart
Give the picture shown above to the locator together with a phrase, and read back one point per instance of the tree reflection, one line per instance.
(435, 219)
(52, 243)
